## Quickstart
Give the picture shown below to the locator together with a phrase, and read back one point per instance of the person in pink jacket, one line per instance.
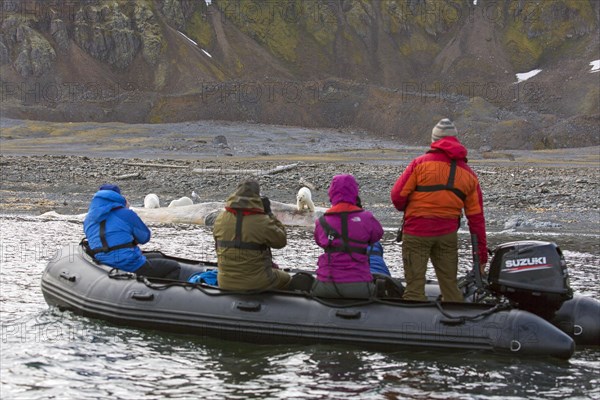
(344, 232)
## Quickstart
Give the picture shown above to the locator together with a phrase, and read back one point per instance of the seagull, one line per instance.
(195, 197)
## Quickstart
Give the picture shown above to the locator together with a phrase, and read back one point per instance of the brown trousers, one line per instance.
(443, 251)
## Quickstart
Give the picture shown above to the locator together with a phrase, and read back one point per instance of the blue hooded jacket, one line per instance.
(122, 226)
(376, 261)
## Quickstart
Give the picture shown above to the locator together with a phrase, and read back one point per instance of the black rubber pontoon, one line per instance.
(73, 281)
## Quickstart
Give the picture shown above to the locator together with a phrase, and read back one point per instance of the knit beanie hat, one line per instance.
(108, 186)
(443, 128)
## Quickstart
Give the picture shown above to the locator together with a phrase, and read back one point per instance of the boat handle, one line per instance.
(515, 345)
(248, 306)
(348, 314)
(67, 276)
(143, 296)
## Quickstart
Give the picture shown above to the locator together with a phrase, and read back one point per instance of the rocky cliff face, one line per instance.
(392, 67)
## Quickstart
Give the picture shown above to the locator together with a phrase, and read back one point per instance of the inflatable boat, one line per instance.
(74, 281)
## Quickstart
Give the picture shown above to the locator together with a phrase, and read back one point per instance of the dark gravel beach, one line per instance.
(547, 191)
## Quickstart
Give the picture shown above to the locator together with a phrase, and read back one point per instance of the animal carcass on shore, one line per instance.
(204, 213)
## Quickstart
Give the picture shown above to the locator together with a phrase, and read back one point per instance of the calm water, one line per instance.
(50, 354)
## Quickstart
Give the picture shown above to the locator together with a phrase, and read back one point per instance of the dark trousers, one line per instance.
(158, 267)
(350, 290)
(443, 252)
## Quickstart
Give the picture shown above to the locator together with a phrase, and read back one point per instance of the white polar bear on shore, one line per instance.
(304, 199)
(184, 201)
(151, 201)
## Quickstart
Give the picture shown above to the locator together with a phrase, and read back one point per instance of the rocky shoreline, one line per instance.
(526, 197)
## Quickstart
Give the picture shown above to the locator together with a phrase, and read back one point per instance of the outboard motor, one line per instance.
(532, 274)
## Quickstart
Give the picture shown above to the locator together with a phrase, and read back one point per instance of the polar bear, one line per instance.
(151, 201)
(304, 199)
(184, 201)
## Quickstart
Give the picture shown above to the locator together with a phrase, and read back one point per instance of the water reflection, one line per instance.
(51, 354)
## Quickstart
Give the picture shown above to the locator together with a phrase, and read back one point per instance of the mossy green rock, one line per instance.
(536, 29)
(107, 34)
(30, 52)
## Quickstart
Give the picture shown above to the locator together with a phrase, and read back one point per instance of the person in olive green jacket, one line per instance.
(244, 234)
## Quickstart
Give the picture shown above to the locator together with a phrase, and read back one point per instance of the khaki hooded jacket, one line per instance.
(247, 269)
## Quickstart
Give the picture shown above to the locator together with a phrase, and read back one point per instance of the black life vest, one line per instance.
(105, 247)
(332, 234)
(237, 243)
(448, 186)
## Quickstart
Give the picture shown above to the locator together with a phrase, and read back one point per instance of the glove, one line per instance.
(482, 269)
(266, 205)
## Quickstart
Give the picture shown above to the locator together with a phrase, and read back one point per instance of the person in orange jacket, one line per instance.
(432, 192)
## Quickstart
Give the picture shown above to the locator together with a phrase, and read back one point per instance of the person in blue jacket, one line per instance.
(113, 233)
(392, 286)
(376, 261)
(375, 251)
